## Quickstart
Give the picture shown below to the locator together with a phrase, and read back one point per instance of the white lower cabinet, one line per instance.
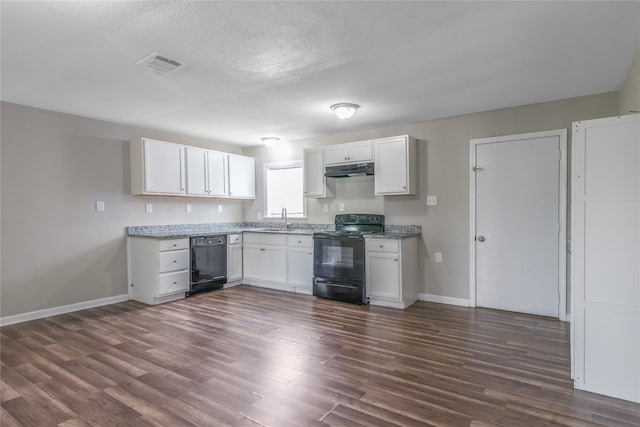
(265, 259)
(300, 263)
(159, 269)
(391, 271)
(234, 258)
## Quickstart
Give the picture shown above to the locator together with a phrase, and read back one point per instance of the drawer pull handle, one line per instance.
(381, 246)
(262, 249)
(175, 283)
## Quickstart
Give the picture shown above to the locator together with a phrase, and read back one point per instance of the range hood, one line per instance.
(344, 171)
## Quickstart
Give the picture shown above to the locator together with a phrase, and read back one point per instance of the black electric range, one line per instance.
(339, 258)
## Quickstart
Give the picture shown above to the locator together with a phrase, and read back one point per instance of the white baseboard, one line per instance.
(53, 311)
(444, 300)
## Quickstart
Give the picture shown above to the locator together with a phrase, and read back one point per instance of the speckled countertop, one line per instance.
(176, 231)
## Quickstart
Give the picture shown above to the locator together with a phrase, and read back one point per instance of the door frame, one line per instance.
(561, 134)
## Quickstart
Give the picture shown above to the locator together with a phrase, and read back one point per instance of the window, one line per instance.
(283, 189)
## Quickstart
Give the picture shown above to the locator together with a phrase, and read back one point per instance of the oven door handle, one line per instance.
(329, 282)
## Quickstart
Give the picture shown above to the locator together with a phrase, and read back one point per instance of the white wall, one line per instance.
(56, 249)
(443, 157)
(630, 90)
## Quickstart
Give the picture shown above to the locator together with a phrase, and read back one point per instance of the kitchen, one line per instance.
(55, 166)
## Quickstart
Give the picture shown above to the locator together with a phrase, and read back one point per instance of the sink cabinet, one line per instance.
(392, 271)
(265, 258)
(158, 269)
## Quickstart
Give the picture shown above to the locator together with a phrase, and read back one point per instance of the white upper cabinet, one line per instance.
(353, 152)
(396, 171)
(314, 179)
(196, 171)
(166, 168)
(206, 172)
(242, 177)
(157, 167)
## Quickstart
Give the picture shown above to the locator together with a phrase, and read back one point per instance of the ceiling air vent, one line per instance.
(162, 64)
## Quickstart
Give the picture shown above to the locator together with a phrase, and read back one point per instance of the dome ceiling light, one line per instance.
(345, 110)
(270, 141)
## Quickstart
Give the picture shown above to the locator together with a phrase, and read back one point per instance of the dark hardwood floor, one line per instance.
(253, 357)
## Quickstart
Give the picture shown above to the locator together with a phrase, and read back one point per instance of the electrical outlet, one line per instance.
(259, 216)
(148, 207)
(188, 207)
(99, 206)
(219, 208)
(325, 207)
(432, 200)
(438, 256)
(341, 207)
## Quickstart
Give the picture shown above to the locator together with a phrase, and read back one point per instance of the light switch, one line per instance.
(438, 257)
(432, 200)
(219, 208)
(148, 207)
(99, 206)
(188, 207)
(341, 207)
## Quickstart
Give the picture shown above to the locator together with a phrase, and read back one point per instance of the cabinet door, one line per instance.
(383, 275)
(300, 266)
(276, 264)
(163, 167)
(360, 151)
(391, 175)
(314, 179)
(336, 154)
(217, 174)
(242, 177)
(234, 262)
(253, 262)
(196, 171)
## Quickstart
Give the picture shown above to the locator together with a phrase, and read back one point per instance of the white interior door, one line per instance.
(518, 216)
(605, 226)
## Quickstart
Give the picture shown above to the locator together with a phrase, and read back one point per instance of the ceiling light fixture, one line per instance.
(345, 110)
(270, 141)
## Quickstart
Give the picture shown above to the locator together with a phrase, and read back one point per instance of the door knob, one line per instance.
(480, 238)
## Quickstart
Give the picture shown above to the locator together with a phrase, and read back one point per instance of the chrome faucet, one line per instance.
(284, 216)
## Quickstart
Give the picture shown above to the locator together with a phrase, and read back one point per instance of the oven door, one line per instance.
(340, 259)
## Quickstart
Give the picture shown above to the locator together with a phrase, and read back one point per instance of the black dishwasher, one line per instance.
(208, 263)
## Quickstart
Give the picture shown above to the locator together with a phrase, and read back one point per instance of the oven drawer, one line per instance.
(300, 241)
(173, 282)
(173, 261)
(173, 244)
(382, 245)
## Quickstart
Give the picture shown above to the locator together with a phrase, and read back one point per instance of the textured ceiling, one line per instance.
(273, 68)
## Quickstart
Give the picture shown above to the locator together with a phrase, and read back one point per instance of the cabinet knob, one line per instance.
(175, 260)
(175, 283)
(381, 246)
(262, 249)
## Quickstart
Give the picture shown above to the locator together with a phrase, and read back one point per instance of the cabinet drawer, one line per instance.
(173, 244)
(173, 260)
(300, 241)
(173, 282)
(234, 239)
(265, 239)
(382, 245)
